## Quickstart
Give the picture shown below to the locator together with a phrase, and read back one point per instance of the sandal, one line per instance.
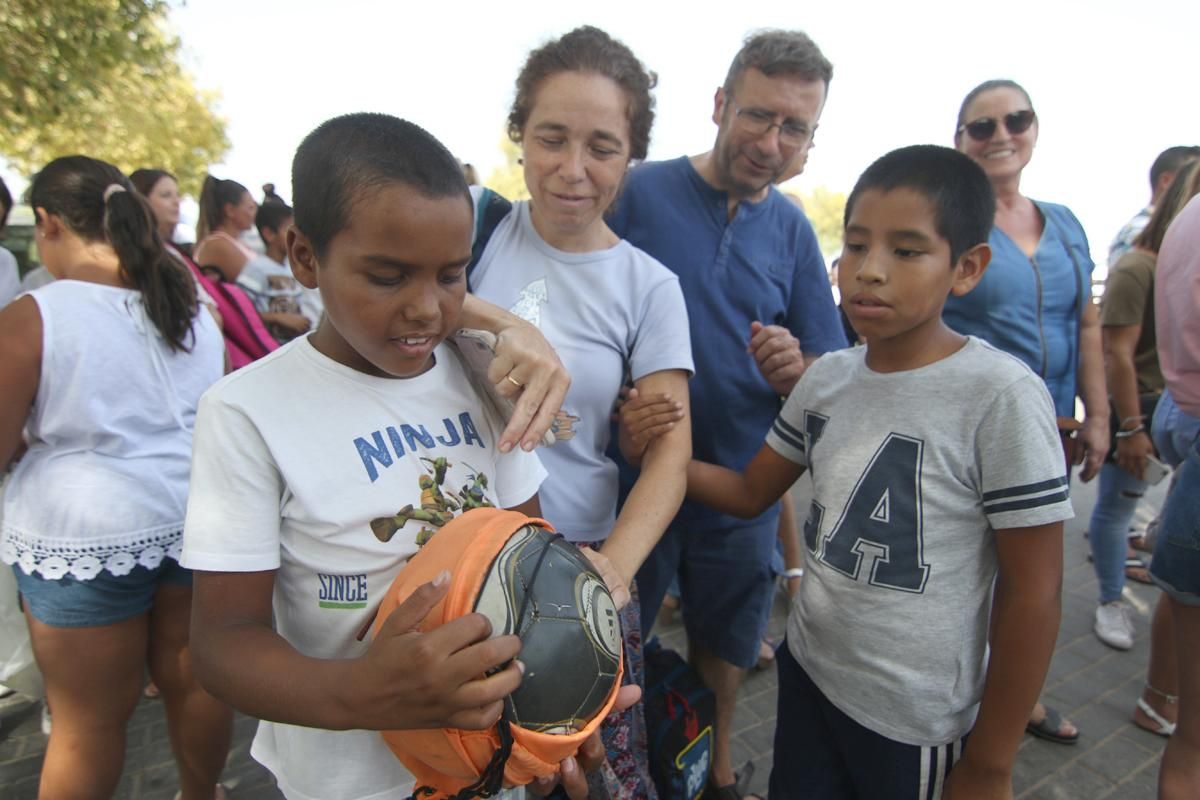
(735, 790)
(1048, 728)
(1162, 726)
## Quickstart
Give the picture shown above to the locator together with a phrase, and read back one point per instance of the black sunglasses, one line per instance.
(984, 128)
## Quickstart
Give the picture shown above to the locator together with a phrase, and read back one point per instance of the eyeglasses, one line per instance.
(984, 128)
(758, 122)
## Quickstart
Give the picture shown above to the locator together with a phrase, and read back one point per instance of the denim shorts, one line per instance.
(1176, 564)
(105, 599)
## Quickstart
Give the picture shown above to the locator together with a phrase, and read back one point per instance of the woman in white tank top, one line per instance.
(102, 373)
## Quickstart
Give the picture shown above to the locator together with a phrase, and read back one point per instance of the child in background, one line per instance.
(936, 470)
(273, 219)
(378, 412)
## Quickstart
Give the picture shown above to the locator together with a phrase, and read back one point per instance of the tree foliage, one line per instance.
(508, 179)
(825, 209)
(100, 77)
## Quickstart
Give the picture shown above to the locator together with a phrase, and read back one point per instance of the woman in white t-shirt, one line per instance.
(582, 115)
(102, 373)
(226, 212)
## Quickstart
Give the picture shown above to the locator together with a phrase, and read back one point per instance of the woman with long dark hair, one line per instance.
(103, 370)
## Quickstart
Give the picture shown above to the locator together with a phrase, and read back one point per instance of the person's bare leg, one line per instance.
(93, 680)
(1179, 777)
(1162, 676)
(199, 725)
(723, 679)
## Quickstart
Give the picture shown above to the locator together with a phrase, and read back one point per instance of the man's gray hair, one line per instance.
(779, 52)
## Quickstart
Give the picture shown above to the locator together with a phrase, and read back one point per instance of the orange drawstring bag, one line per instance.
(518, 572)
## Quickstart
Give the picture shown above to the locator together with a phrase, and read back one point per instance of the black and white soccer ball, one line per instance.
(570, 634)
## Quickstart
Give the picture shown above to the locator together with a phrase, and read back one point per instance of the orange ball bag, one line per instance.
(529, 581)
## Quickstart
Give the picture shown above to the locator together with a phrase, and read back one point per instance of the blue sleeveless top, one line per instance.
(1030, 307)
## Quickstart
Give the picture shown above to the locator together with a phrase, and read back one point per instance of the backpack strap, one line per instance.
(490, 210)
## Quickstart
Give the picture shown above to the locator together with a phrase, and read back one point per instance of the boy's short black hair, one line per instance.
(348, 156)
(963, 201)
(271, 215)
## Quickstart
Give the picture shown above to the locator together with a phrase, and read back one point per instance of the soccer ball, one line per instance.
(543, 589)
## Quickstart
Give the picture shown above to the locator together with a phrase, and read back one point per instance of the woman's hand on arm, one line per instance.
(1120, 345)
(523, 354)
(406, 679)
(1094, 434)
(20, 371)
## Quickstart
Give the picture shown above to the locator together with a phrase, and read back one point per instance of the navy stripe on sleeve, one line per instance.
(1029, 488)
(788, 434)
(1028, 502)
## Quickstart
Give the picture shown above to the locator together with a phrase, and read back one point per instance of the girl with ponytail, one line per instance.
(102, 371)
(226, 212)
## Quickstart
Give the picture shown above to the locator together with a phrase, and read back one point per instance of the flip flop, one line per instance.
(1049, 727)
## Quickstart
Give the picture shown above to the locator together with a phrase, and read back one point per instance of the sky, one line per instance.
(1113, 82)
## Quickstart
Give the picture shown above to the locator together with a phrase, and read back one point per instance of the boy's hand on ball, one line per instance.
(612, 578)
(438, 679)
(572, 772)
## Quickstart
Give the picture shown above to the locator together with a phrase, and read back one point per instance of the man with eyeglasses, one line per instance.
(760, 307)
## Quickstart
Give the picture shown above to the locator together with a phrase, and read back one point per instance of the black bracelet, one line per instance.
(1130, 432)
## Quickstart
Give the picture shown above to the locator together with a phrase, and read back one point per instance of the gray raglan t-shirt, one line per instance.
(913, 472)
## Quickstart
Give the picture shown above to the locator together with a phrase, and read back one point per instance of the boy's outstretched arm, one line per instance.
(1026, 609)
(744, 494)
(405, 680)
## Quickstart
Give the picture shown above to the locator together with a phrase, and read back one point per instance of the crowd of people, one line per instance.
(160, 517)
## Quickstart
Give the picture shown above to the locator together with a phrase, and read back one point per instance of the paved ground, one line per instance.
(1094, 685)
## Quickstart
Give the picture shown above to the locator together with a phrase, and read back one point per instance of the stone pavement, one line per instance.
(1093, 685)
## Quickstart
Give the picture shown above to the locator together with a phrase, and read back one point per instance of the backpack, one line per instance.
(490, 210)
(246, 336)
(680, 711)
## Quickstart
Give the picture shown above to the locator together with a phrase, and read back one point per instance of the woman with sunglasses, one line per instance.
(1035, 299)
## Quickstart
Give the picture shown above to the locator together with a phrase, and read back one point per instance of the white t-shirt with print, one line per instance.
(294, 456)
(913, 473)
(602, 311)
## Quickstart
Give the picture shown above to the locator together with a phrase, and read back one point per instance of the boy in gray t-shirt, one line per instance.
(937, 475)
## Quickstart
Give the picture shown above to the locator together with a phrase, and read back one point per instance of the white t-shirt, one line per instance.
(104, 484)
(295, 455)
(604, 312)
(913, 472)
(10, 277)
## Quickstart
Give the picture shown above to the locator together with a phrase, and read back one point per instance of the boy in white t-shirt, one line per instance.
(936, 523)
(303, 459)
